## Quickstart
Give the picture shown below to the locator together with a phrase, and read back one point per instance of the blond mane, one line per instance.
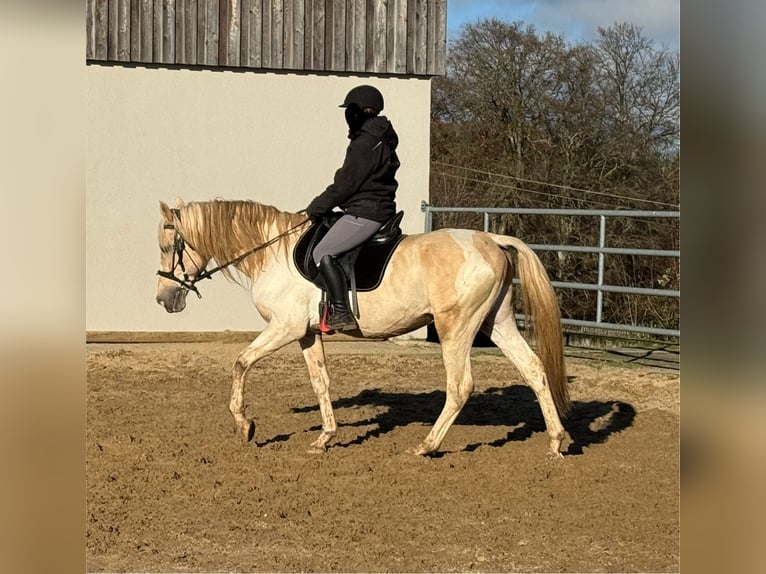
(224, 229)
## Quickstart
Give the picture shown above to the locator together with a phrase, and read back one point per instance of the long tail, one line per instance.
(543, 318)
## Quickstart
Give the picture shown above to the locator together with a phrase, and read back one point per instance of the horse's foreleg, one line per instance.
(270, 340)
(313, 353)
(507, 337)
(457, 362)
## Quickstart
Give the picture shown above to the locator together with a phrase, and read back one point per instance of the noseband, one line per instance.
(179, 248)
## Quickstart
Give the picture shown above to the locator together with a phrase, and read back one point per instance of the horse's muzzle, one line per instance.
(173, 301)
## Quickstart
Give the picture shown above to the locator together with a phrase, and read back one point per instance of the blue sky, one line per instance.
(577, 20)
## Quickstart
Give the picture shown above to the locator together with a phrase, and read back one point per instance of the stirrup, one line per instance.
(326, 324)
(344, 322)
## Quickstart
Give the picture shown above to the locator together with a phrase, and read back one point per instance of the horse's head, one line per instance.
(180, 264)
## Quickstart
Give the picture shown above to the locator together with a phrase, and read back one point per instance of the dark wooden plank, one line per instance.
(396, 37)
(288, 32)
(349, 39)
(186, 31)
(431, 43)
(277, 33)
(190, 28)
(314, 46)
(335, 35)
(123, 31)
(328, 11)
(111, 35)
(294, 40)
(180, 29)
(207, 32)
(251, 34)
(266, 35)
(90, 29)
(440, 39)
(228, 33)
(410, 42)
(420, 36)
(224, 13)
(390, 30)
(355, 35)
(234, 33)
(244, 34)
(308, 34)
(339, 35)
(135, 30)
(156, 31)
(168, 31)
(146, 32)
(377, 31)
(368, 33)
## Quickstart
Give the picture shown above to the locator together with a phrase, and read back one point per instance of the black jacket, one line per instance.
(365, 185)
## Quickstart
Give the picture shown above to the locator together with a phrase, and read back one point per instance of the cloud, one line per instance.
(577, 20)
(658, 18)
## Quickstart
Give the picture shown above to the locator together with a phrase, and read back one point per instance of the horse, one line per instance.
(460, 280)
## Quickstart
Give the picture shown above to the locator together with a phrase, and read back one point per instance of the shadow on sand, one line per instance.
(515, 406)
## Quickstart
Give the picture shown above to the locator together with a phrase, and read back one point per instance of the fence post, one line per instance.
(486, 221)
(429, 216)
(601, 245)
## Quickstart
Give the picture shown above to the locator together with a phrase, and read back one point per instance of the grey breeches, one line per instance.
(348, 232)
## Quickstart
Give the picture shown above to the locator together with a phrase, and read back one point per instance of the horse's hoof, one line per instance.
(418, 451)
(316, 450)
(250, 431)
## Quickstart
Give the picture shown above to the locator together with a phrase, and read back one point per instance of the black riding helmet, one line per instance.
(358, 103)
(364, 97)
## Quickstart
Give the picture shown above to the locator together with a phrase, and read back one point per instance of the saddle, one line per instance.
(362, 273)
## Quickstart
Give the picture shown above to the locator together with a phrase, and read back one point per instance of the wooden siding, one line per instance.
(404, 37)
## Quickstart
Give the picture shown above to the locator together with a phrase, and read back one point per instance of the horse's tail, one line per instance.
(542, 318)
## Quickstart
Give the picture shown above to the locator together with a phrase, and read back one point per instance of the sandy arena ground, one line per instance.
(173, 487)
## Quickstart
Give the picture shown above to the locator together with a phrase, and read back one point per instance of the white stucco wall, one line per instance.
(154, 134)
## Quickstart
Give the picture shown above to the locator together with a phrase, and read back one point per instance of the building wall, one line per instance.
(199, 134)
(356, 36)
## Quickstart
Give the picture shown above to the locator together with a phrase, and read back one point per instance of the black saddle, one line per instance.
(364, 265)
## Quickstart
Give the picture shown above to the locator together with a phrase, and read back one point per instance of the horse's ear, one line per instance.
(165, 210)
(179, 203)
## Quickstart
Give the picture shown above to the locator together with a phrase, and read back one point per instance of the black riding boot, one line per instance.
(340, 317)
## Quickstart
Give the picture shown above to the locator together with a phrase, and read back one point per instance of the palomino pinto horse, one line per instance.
(458, 279)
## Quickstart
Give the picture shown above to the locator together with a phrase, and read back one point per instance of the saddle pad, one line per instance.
(370, 263)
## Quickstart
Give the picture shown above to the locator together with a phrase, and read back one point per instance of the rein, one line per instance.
(179, 247)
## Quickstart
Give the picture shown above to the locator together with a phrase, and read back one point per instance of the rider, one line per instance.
(364, 188)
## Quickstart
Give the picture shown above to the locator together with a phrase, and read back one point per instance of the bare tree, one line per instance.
(527, 119)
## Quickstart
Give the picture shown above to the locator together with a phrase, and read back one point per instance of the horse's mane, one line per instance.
(224, 229)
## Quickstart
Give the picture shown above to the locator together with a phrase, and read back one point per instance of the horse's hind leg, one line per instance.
(313, 353)
(456, 353)
(508, 339)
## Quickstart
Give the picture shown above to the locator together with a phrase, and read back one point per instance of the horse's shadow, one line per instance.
(515, 406)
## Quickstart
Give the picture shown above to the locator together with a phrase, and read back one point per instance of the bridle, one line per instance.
(179, 248)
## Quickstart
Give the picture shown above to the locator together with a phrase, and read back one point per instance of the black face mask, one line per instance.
(354, 118)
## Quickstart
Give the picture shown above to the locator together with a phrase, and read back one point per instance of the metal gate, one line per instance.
(602, 250)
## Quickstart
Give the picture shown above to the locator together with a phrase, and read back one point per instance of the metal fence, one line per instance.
(602, 250)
